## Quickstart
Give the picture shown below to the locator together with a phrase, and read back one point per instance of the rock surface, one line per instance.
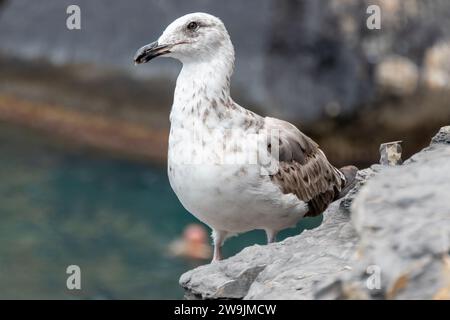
(387, 239)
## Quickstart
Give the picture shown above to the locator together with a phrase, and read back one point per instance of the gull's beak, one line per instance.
(150, 51)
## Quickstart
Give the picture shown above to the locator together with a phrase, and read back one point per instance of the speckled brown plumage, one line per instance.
(304, 169)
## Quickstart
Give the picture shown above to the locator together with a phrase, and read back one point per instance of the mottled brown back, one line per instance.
(304, 169)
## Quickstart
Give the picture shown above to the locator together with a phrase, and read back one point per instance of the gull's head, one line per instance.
(190, 38)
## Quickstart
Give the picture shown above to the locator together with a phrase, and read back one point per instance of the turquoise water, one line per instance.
(113, 218)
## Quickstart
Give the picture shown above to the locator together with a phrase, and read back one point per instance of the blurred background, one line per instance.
(83, 133)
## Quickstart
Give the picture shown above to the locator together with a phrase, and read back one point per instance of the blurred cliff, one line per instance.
(312, 62)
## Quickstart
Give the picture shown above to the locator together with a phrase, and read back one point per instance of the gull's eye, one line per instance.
(192, 26)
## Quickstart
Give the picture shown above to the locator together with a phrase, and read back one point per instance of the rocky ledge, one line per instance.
(389, 238)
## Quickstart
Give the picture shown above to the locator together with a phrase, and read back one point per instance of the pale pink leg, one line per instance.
(271, 236)
(219, 237)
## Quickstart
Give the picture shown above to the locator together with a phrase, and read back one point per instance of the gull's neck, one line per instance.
(203, 86)
(211, 77)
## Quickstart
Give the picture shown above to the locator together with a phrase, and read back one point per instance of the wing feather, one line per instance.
(304, 169)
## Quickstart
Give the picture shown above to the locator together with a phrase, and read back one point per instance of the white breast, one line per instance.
(223, 189)
(226, 192)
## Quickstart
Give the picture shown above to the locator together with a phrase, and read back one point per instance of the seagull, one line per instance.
(231, 168)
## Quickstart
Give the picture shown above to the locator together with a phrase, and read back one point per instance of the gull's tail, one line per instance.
(349, 173)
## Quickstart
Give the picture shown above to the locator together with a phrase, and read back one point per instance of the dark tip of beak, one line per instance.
(150, 51)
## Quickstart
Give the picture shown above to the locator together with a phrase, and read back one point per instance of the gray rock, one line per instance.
(443, 136)
(387, 239)
(403, 219)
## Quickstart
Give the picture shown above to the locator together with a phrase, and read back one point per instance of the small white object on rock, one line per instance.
(391, 153)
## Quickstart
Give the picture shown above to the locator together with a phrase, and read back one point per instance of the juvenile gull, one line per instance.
(213, 142)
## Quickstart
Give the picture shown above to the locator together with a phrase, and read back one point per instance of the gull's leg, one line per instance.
(219, 238)
(271, 236)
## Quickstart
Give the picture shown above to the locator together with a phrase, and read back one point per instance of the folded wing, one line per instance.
(304, 169)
